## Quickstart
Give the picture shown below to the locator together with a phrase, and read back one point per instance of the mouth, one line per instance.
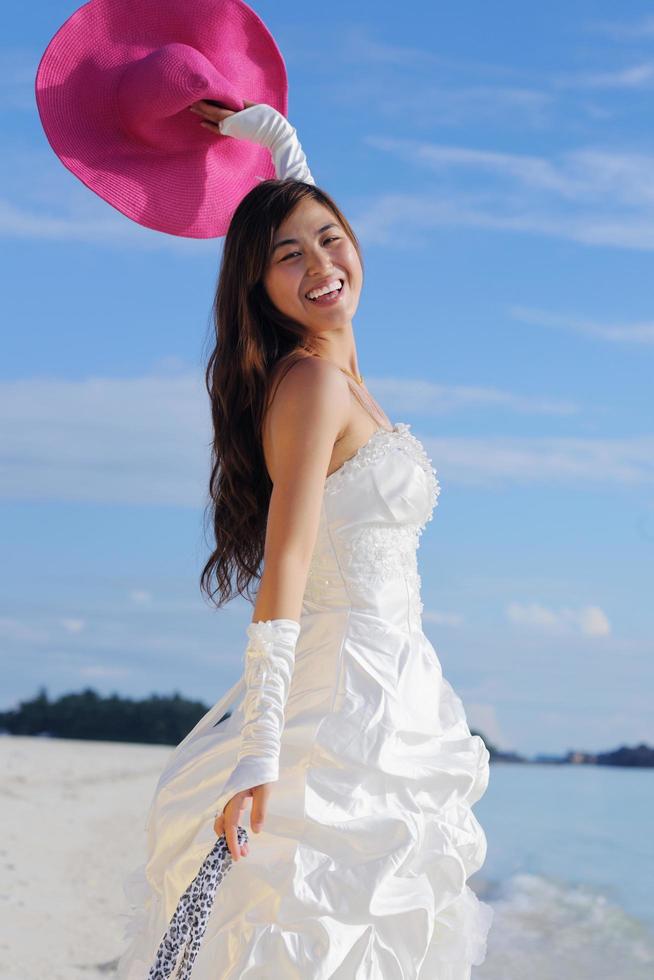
(329, 299)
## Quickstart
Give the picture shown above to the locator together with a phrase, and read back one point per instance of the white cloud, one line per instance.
(131, 440)
(593, 621)
(586, 621)
(639, 76)
(579, 176)
(146, 441)
(428, 398)
(529, 170)
(397, 219)
(72, 625)
(622, 333)
(141, 597)
(17, 631)
(421, 86)
(590, 196)
(99, 224)
(496, 461)
(357, 46)
(442, 618)
(448, 105)
(103, 671)
(635, 30)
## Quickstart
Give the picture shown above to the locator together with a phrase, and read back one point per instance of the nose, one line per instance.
(318, 270)
(318, 262)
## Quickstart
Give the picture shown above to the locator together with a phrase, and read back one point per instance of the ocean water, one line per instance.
(569, 872)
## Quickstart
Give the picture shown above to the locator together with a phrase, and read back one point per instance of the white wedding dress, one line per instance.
(360, 871)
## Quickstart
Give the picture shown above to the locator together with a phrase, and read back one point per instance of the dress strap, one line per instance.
(361, 394)
(367, 402)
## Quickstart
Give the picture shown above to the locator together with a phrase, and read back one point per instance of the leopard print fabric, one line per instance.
(189, 922)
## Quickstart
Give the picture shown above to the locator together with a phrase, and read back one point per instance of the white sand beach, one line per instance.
(72, 826)
(72, 819)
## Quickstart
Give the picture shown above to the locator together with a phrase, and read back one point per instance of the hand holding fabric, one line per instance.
(268, 668)
(262, 124)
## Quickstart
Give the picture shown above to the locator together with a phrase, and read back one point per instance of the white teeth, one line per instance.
(329, 288)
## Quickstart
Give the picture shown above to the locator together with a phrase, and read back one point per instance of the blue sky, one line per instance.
(496, 161)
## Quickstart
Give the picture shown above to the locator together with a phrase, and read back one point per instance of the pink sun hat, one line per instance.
(113, 89)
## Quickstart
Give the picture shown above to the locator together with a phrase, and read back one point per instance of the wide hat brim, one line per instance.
(185, 180)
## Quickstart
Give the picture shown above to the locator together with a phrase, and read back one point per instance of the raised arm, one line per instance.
(260, 123)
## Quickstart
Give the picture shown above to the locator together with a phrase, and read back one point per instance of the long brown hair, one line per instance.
(251, 336)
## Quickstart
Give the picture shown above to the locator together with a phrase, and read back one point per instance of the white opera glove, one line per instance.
(268, 668)
(263, 124)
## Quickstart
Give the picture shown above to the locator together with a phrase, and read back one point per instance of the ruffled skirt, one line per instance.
(360, 871)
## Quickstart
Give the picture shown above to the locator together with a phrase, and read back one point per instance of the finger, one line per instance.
(210, 111)
(233, 844)
(232, 839)
(233, 813)
(258, 811)
(245, 847)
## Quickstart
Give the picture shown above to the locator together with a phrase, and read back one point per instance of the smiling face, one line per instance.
(311, 248)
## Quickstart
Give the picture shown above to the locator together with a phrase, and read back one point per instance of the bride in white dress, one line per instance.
(342, 734)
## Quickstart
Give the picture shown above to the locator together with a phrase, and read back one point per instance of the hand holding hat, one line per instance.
(113, 90)
(261, 124)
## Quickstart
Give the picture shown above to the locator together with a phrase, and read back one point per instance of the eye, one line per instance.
(332, 238)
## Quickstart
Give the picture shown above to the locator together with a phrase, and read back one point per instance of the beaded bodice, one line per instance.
(374, 510)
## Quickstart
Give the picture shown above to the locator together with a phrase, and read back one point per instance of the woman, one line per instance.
(350, 746)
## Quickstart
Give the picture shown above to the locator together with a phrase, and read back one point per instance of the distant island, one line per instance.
(166, 720)
(639, 756)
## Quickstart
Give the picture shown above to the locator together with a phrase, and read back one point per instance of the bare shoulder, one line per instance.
(308, 385)
(309, 412)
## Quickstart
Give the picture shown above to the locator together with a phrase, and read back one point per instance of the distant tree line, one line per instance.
(159, 720)
(167, 720)
(87, 715)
